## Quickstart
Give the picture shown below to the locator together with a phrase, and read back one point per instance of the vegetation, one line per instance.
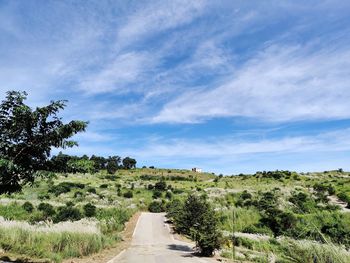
(27, 136)
(197, 219)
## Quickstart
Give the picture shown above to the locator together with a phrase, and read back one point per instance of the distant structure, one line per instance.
(196, 170)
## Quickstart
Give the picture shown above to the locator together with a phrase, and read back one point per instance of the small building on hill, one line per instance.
(196, 170)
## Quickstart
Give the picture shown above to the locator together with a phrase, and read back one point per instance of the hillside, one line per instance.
(270, 212)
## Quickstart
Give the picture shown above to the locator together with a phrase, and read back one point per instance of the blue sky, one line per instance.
(228, 86)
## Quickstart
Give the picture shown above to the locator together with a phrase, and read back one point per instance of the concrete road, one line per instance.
(153, 243)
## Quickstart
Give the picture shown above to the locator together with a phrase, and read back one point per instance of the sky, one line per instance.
(228, 86)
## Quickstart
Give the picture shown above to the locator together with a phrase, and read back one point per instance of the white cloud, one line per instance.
(125, 69)
(158, 16)
(281, 83)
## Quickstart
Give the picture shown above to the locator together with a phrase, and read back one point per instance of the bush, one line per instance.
(68, 212)
(168, 195)
(160, 186)
(280, 222)
(303, 202)
(89, 210)
(104, 186)
(65, 187)
(157, 194)
(47, 210)
(28, 207)
(156, 207)
(91, 190)
(128, 194)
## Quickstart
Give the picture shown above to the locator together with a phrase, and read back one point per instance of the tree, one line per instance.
(80, 166)
(99, 162)
(129, 163)
(196, 218)
(113, 163)
(59, 163)
(27, 136)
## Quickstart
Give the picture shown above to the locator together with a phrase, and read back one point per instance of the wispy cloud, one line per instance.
(156, 17)
(281, 83)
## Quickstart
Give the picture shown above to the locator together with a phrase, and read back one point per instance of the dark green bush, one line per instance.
(156, 207)
(128, 194)
(47, 210)
(89, 210)
(157, 194)
(28, 207)
(160, 186)
(91, 190)
(65, 187)
(68, 212)
(303, 203)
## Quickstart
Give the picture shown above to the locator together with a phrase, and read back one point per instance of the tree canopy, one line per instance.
(27, 136)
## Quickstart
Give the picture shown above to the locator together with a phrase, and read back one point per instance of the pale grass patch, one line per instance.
(88, 226)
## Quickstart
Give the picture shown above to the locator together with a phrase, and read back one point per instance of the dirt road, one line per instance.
(153, 243)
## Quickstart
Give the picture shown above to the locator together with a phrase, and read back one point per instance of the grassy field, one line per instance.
(285, 216)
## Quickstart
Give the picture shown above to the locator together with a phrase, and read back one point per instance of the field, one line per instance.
(281, 216)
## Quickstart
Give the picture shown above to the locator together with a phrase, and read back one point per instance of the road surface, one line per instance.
(153, 243)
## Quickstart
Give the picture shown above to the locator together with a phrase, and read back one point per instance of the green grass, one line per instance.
(53, 246)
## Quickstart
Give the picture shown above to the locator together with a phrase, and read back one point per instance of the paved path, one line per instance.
(153, 243)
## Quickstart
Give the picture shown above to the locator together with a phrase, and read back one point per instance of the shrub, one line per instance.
(156, 194)
(28, 207)
(280, 222)
(104, 186)
(47, 210)
(89, 210)
(68, 212)
(65, 187)
(168, 195)
(156, 207)
(91, 190)
(128, 194)
(160, 186)
(303, 202)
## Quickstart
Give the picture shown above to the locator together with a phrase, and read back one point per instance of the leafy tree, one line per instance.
(113, 163)
(129, 163)
(197, 219)
(99, 162)
(27, 136)
(59, 163)
(80, 166)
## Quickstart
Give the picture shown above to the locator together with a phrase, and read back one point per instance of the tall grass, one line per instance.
(310, 252)
(244, 217)
(65, 239)
(53, 245)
